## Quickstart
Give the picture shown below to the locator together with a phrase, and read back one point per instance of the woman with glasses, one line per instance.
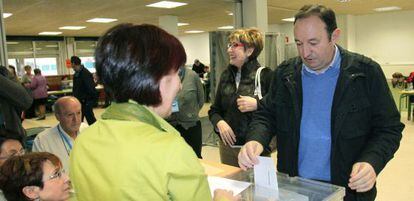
(10, 145)
(237, 94)
(132, 153)
(34, 176)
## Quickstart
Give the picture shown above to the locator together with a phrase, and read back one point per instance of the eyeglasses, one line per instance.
(57, 174)
(13, 153)
(235, 45)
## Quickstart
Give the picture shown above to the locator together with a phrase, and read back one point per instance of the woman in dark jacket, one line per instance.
(237, 94)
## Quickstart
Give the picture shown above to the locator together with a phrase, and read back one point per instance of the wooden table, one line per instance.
(406, 94)
(218, 169)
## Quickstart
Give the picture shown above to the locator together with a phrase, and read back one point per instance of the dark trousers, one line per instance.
(30, 113)
(87, 111)
(192, 136)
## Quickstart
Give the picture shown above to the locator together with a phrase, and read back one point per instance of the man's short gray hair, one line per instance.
(57, 107)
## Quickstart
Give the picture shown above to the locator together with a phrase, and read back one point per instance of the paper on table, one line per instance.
(265, 173)
(227, 184)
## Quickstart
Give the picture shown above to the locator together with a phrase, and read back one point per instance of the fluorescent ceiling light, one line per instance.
(182, 24)
(391, 8)
(72, 27)
(344, 1)
(166, 4)
(194, 31)
(12, 43)
(225, 27)
(102, 20)
(52, 46)
(291, 19)
(230, 14)
(6, 15)
(52, 33)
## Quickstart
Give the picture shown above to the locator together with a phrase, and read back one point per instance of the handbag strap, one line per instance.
(257, 85)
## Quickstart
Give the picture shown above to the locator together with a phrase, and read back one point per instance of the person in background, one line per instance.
(189, 101)
(132, 153)
(331, 110)
(198, 67)
(13, 100)
(13, 74)
(59, 139)
(84, 89)
(206, 82)
(38, 85)
(235, 99)
(34, 176)
(27, 79)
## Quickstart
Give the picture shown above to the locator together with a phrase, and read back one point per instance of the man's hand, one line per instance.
(248, 154)
(225, 195)
(226, 133)
(363, 177)
(247, 104)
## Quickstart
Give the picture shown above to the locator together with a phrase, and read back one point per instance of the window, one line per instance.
(86, 50)
(48, 66)
(38, 54)
(12, 62)
(89, 63)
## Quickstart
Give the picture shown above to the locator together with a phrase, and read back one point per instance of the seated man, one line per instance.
(59, 139)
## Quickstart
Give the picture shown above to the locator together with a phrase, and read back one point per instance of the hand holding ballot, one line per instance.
(248, 154)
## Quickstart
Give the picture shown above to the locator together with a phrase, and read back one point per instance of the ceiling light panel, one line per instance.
(102, 20)
(166, 4)
(225, 27)
(194, 31)
(291, 19)
(391, 8)
(6, 15)
(50, 33)
(182, 24)
(72, 27)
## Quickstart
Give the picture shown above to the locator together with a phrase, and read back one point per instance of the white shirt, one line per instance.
(52, 141)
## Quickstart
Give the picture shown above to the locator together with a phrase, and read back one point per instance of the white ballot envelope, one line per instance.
(227, 184)
(265, 175)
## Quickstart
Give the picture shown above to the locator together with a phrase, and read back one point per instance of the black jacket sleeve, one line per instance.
(386, 127)
(216, 111)
(89, 84)
(263, 121)
(265, 80)
(14, 93)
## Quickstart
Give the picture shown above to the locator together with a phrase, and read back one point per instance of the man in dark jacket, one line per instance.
(84, 89)
(13, 100)
(331, 109)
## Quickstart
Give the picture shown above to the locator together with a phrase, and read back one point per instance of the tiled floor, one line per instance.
(396, 182)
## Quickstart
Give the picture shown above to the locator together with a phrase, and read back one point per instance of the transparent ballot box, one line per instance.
(290, 189)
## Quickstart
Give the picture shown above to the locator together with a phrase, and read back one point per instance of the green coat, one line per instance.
(133, 154)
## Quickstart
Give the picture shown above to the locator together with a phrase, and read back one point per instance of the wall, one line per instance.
(388, 38)
(197, 47)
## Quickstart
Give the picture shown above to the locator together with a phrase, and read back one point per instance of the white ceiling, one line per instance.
(33, 16)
